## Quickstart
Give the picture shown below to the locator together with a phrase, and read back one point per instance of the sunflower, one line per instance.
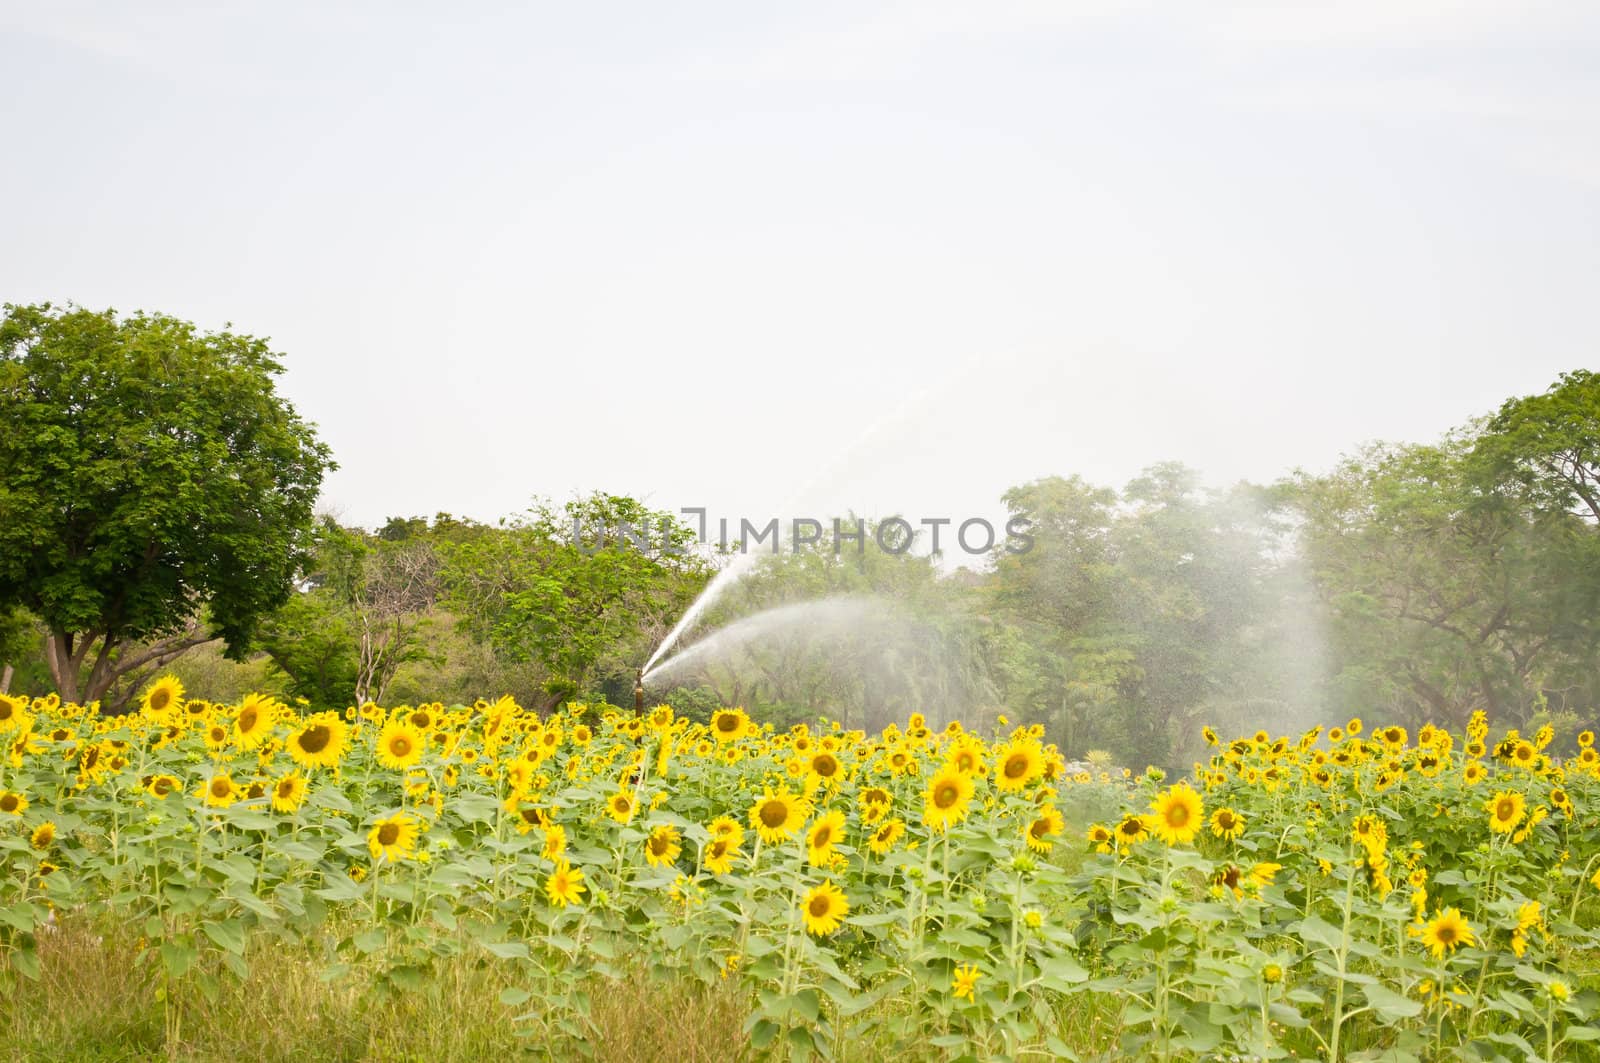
(400, 745)
(1017, 765)
(966, 756)
(900, 761)
(886, 835)
(825, 766)
(1445, 932)
(726, 827)
(775, 816)
(1045, 825)
(662, 847)
(824, 834)
(12, 803)
(565, 885)
(1177, 815)
(1474, 772)
(1100, 837)
(621, 806)
(43, 836)
(555, 842)
(965, 982)
(257, 714)
(947, 799)
(1371, 832)
(219, 791)
(1133, 829)
(1505, 811)
(1263, 874)
(823, 908)
(165, 694)
(289, 792)
(320, 741)
(719, 854)
(393, 839)
(1226, 823)
(529, 816)
(729, 725)
(216, 737)
(1529, 917)
(162, 785)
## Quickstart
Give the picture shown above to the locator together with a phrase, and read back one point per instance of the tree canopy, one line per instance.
(155, 490)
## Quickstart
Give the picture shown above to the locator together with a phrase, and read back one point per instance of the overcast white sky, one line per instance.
(696, 251)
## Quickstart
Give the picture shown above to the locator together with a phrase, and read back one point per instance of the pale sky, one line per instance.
(697, 252)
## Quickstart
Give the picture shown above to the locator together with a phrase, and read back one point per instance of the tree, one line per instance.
(587, 609)
(155, 491)
(1446, 593)
(19, 639)
(360, 617)
(1549, 445)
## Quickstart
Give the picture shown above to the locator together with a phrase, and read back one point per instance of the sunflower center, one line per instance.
(388, 834)
(158, 701)
(315, 739)
(1178, 815)
(1446, 934)
(774, 813)
(727, 723)
(1505, 809)
(825, 765)
(946, 795)
(659, 844)
(247, 720)
(1016, 767)
(285, 789)
(1039, 828)
(822, 837)
(8, 803)
(400, 746)
(220, 787)
(820, 906)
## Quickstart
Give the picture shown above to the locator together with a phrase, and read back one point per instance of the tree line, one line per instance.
(157, 513)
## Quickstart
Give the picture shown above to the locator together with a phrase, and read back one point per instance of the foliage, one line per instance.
(149, 475)
(1445, 598)
(1343, 893)
(587, 607)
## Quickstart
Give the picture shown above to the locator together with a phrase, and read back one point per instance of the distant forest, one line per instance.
(1412, 582)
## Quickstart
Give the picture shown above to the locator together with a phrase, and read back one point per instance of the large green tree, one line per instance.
(1451, 585)
(155, 490)
(586, 607)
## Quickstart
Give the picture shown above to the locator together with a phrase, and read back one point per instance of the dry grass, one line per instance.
(96, 1001)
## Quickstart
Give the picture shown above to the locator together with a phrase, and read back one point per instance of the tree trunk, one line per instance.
(5, 680)
(66, 660)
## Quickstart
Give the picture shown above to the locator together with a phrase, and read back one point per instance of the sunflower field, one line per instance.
(1340, 894)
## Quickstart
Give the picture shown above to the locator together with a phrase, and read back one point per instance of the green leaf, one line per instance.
(508, 950)
(1390, 1005)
